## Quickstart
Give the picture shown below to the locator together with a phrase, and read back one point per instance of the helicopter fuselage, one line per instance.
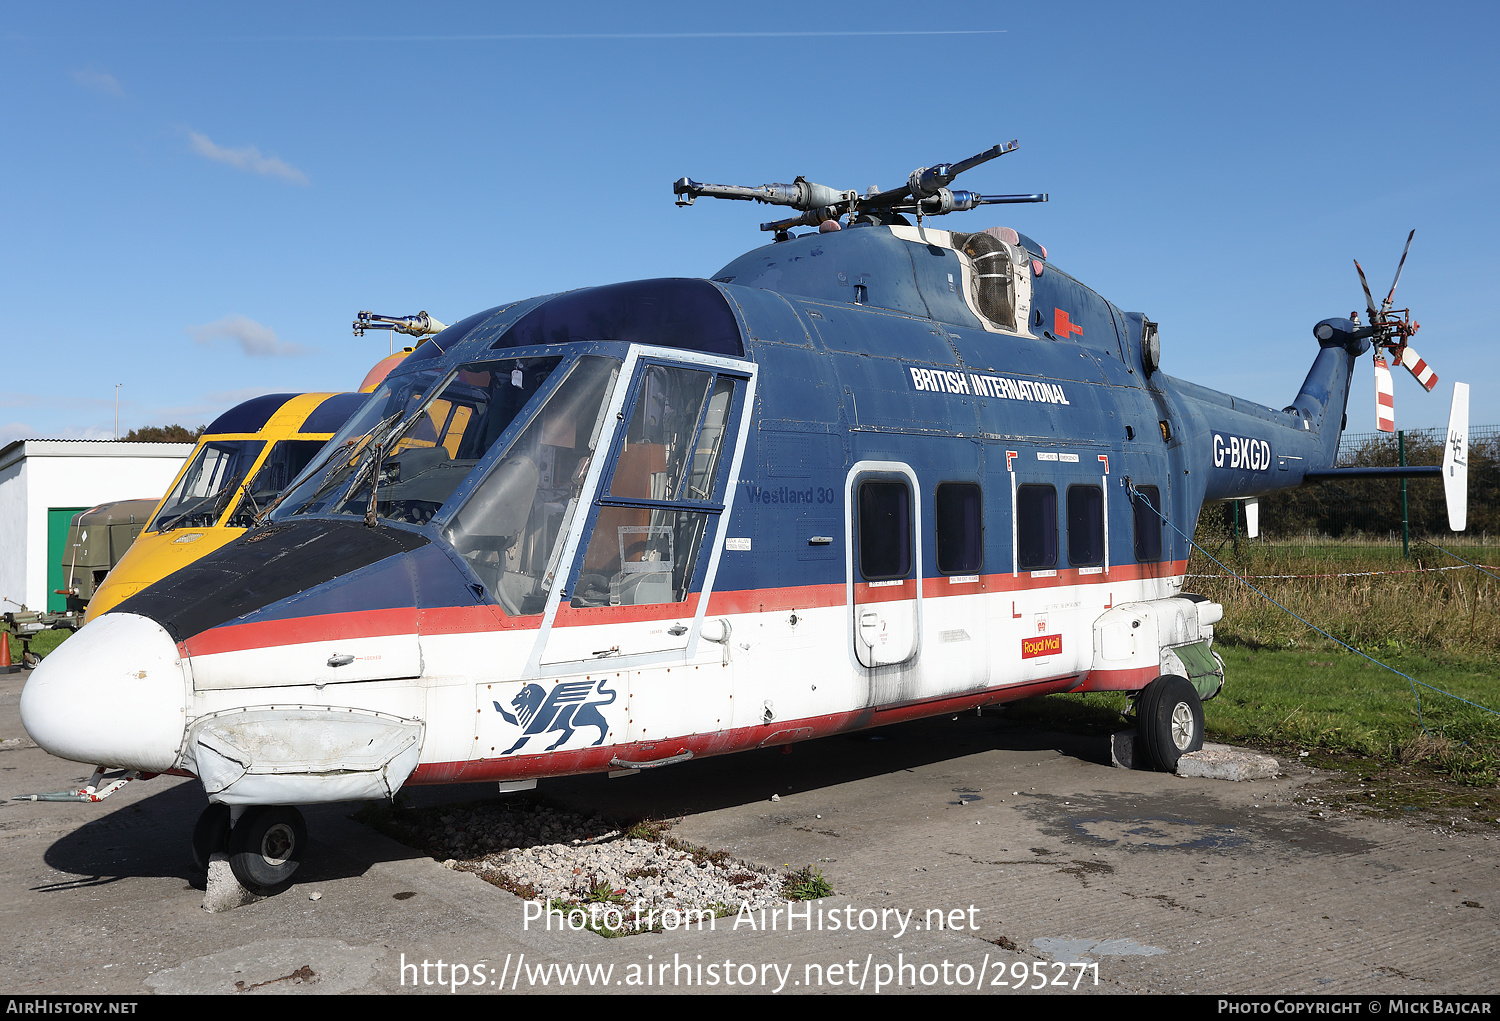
(855, 478)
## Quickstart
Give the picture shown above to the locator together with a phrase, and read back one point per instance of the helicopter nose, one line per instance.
(114, 694)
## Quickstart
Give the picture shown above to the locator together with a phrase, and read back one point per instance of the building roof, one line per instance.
(17, 450)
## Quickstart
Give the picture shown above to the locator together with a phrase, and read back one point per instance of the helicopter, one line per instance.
(245, 457)
(866, 473)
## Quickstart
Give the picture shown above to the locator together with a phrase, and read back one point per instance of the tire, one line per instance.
(210, 835)
(265, 848)
(1169, 722)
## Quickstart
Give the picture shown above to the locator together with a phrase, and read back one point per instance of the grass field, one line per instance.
(1291, 688)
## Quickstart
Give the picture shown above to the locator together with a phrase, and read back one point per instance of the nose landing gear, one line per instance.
(264, 845)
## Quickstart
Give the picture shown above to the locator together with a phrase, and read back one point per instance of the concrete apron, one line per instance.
(963, 853)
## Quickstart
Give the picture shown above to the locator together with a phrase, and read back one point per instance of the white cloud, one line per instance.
(209, 406)
(52, 401)
(225, 399)
(11, 431)
(95, 80)
(254, 339)
(248, 159)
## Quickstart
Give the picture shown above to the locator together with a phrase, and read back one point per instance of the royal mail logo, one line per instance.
(1046, 645)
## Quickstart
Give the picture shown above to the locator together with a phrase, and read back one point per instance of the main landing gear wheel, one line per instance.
(265, 847)
(210, 835)
(1169, 721)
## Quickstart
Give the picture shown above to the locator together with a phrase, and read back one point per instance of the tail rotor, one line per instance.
(1391, 331)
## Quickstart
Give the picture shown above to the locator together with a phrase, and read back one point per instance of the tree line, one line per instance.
(1350, 508)
(164, 434)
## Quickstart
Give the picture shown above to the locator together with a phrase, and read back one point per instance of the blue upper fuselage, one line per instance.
(873, 345)
(839, 321)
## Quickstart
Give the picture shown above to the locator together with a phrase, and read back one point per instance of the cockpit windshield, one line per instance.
(329, 473)
(404, 454)
(285, 461)
(511, 528)
(208, 485)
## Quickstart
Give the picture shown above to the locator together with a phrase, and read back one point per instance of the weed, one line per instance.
(808, 884)
(654, 830)
(601, 893)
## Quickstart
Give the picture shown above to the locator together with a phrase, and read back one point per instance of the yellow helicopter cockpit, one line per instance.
(242, 461)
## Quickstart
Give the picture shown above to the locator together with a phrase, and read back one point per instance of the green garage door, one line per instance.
(58, 520)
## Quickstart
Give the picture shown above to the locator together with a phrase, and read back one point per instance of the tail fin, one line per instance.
(1324, 396)
(1456, 459)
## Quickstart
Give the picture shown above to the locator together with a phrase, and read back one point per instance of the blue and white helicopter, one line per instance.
(872, 472)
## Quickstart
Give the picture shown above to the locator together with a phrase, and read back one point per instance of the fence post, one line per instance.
(1405, 521)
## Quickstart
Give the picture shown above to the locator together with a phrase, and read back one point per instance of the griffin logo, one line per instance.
(566, 709)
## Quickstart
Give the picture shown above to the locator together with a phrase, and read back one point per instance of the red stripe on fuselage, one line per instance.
(479, 619)
(405, 620)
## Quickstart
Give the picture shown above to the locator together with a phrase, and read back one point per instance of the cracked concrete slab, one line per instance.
(1004, 847)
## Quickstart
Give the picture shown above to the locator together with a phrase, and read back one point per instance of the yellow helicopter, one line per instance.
(240, 464)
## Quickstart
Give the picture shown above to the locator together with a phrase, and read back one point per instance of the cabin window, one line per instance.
(884, 530)
(960, 528)
(665, 492)
(1085, 526)
(1148, 524)
(1036, 527)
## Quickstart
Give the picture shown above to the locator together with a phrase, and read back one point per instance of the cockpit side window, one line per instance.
(665, 491)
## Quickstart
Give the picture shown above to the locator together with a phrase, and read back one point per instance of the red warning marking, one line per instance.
(1061, 326)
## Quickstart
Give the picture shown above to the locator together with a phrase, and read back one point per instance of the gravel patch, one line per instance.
(564, 859)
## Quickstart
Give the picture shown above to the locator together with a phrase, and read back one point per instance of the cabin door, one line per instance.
(884, 562)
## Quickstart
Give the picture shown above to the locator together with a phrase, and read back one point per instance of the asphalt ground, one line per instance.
(966, 854)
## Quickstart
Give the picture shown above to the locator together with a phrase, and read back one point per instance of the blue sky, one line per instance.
(197, 198)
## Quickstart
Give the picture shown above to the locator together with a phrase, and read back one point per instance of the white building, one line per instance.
(43, 483)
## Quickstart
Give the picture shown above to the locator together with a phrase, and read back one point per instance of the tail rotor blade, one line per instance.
(1418, 368)
(1386, 307)
(1369, 298)
(1456, 459)
(1385, 397)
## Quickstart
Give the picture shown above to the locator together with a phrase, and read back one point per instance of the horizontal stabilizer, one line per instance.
(1410, 471)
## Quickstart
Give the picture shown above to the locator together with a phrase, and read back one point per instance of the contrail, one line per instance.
(532, 36)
